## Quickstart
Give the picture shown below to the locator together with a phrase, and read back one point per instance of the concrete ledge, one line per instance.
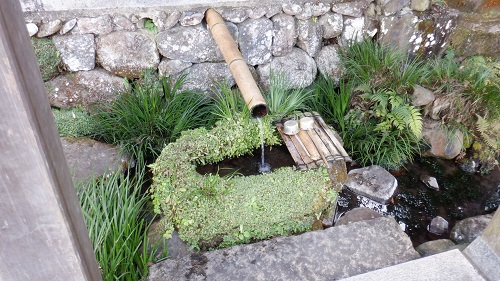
(484, 258)
(451, 265)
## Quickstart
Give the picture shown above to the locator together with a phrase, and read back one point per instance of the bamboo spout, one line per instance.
(236, 63)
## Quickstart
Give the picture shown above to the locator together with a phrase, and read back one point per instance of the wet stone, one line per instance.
(438, 226)
(373, 182)
(430, 182)
(466, 230)
(357, 214)
(494, 201)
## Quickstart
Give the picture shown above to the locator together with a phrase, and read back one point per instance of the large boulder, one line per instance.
(357, 214)
(329, 62)
(284, 34)
(205, 76)
(466, 230)
(354, 31)
(332, 25)
(444, 143)
(77, 51)
(297, 67)
(192, 44)
(374, 182)
(89, 158)
(85, 88)
(330, 254)
(255, 38)
(310, 36)
(477, 35)
(399, 32)
(127, 53)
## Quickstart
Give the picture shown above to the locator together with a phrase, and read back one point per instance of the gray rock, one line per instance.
(257, 12)
(292, 8)
(88, 157)
(122, 23)
(234, 15)
(357, 214)
(168, 67)
(332, 25)
(420, 5)
(255, 38)
(371, 11)
(49, 28)
(306, 12)
(85, 88)
(99, 25)
(309, 36)
(347, 250)
(435, 247)
(127, 53)
(353, 9)
(469, 165)
(476, 35)
(273, 9)
(320, 8)
(439, 105)
(430, 182)
(77, 51)
(68, 26)
(297, 67)
(190, 18)
(421, 96)
(205, 76)
(394, 6)
(176, 248)
(354, 30)
(329, 62)
(400, 32)
(374, 182)
(191, 44)
(494, 201)
(284, 34)
(443, 142)
(32, 28)
(170, 21)
(466, 230)
(438, 226)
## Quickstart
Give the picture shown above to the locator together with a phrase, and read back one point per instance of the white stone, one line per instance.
(32, 28)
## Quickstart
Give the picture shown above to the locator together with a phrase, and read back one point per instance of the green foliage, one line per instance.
(283, 102)
(113, 209)
(228, 103)
(150, 26)
(330, 100)
(73, 122)
(49, 60)
(155, 113)
(211, 211)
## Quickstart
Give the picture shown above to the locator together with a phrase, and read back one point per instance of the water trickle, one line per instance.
(263, 166)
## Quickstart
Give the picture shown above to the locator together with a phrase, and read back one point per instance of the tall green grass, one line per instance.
(152, 115)
(113, 208)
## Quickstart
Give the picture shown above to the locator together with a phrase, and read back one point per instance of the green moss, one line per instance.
(73, 122)
(48, 57)
(211, 211)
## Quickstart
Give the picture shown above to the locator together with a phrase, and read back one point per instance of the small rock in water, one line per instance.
(438, 225)
(430, 182)
(264, 168)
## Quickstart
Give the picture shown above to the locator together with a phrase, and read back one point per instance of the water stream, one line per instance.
(263, 166)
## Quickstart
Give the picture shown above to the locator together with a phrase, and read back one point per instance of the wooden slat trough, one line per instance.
(314, 147)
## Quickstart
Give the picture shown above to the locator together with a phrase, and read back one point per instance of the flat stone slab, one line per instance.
(330, 254)
(451, 265)
(374, 182)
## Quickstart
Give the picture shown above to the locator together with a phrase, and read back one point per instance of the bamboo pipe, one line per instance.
(236, 63)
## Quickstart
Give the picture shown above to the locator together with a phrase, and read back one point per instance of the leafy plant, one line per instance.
(283, 102)
(228, 103)
(155, 113)
(73, 122)
(330, 100)
(47, 56)
(211, 211)
(150, 26)
(113, 209)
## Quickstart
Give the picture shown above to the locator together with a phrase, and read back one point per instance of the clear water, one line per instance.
(263, 166)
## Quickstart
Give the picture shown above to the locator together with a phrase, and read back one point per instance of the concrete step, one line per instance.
(450, 265)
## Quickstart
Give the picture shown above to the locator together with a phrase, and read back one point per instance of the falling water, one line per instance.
(263, 166)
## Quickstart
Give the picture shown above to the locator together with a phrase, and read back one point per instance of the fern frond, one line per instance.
(414, 121)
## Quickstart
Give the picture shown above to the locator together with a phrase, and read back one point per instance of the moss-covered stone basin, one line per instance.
(211, 211)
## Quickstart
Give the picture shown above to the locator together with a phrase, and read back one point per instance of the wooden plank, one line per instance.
(291, 148)
(43, 233)
(332, 137)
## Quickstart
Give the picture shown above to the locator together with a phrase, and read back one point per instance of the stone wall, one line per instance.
(297, 38)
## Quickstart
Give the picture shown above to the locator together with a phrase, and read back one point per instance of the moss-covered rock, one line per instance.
(48, 57)
(211, 211)
(477, 35)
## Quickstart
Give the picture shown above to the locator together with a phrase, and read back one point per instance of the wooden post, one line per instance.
(42, 232)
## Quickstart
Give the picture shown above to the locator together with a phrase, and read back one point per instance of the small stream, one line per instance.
(461, 194)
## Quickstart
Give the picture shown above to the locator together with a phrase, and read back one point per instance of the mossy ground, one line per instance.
(49, 59)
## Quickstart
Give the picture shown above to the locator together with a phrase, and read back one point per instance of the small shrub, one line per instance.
(73, 122)
(228, 103)
(113, 209)
(49, 60)
(212, 211)
(152, 115)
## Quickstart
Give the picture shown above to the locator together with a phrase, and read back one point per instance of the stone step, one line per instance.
(330, 254)
(450, 265)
